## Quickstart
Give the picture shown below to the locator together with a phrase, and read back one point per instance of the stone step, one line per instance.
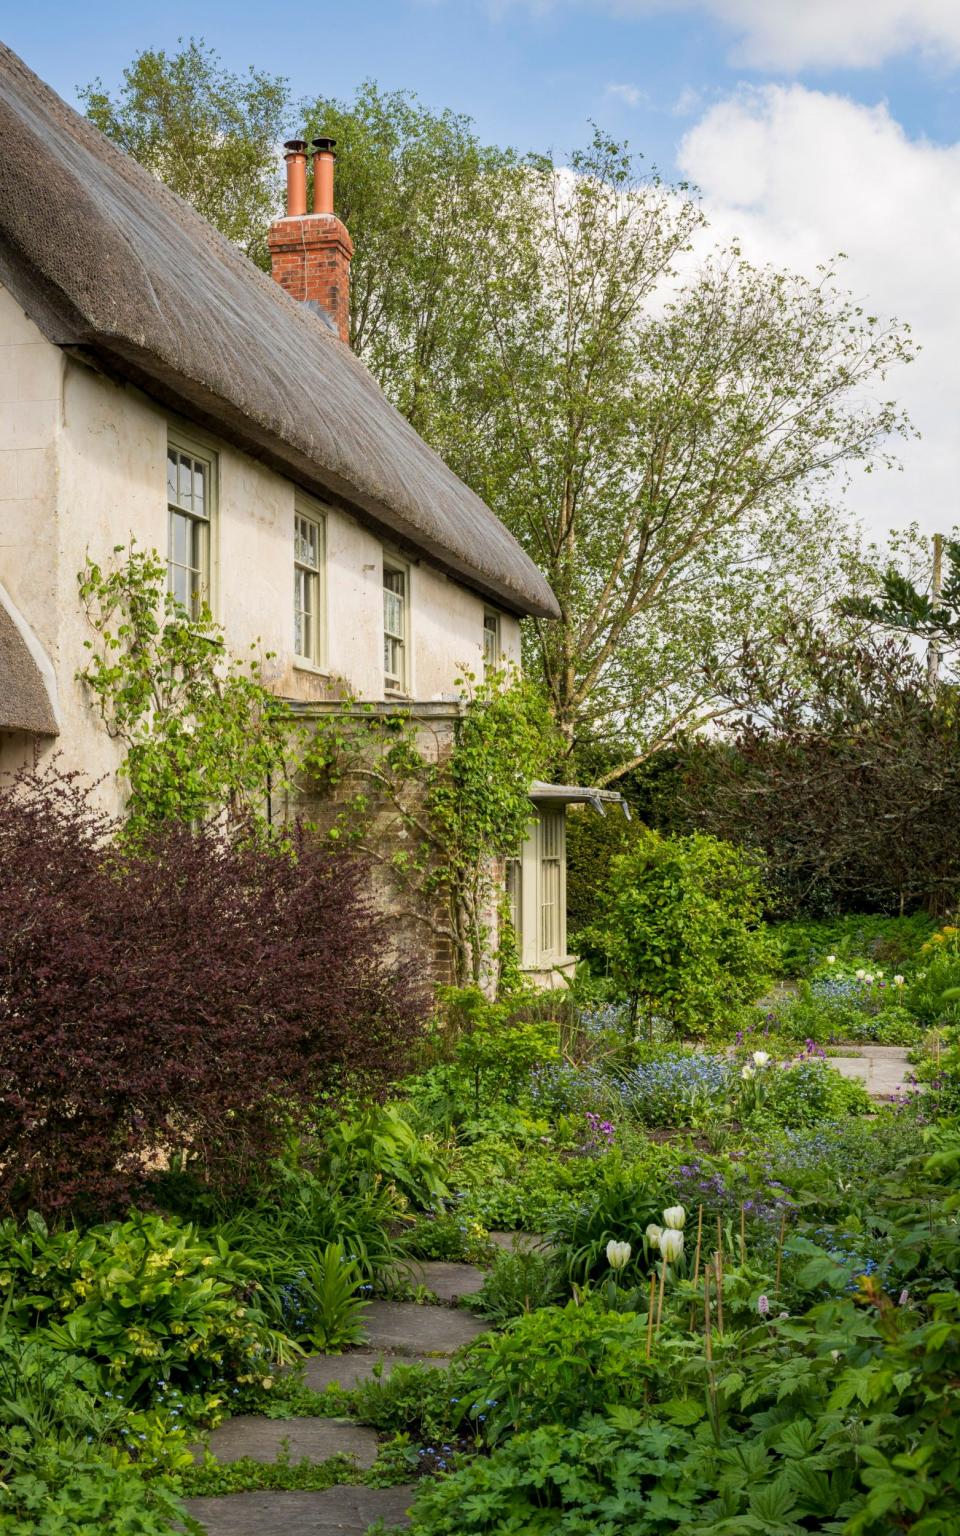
(883, 1069)
(403, 1328)
(523, 1242)
(349, 1370)
(339, 1511)
(447, 1281)
(301, 1439)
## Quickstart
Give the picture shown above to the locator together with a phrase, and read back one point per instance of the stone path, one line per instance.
(397, 1332)
(331, 1513)
(883, 1069)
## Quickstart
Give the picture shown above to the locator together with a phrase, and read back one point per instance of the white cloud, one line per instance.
(794, 34)
(631, 94)
(801, 34)
(800, 175)
(687, 103)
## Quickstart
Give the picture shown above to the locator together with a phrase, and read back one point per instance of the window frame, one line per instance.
(204, 526)
(551, 851)
(396, 685)
(314, 657)
(491, 628)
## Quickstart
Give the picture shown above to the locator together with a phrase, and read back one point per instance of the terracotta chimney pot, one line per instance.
(296, 158)
(324, 160)
(310, 252)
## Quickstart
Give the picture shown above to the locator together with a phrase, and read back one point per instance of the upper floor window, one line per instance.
(190, 494)
(491, 638)
(396, 579)
(307, 586)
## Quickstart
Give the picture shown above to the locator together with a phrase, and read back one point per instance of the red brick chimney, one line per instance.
(310, 252)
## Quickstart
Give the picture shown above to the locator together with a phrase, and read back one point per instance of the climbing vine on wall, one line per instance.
(437, 817)
(202, 734)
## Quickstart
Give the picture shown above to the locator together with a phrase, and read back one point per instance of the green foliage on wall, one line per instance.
(438, 820)
(201, 732)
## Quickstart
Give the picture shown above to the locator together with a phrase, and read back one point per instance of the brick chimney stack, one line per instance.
(310, 252)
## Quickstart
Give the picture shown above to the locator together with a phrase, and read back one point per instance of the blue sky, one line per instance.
(531, 74)
(811, 126)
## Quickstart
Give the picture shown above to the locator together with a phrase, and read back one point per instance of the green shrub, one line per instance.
(619, 1208)
(520, 1281)
(380, 1144)
(60, 1488)
(297, 1215)
(681, 931)
(450, 1236)
(892, 942)
(555, 1365)
(939, 973)
(806, 1093)
(497, 1046)
(145, 1299)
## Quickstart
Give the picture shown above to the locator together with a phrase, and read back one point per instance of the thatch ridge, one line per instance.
(108, 260)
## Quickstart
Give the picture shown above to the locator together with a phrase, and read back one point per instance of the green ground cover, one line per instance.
(787, 1360)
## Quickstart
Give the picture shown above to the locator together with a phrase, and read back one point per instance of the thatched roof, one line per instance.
(25, 704)
(106, 259)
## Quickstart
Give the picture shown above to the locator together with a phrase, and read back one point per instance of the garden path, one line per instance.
(396, 1331)
(883, 1069)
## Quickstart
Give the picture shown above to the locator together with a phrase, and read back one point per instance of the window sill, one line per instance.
(300, 664)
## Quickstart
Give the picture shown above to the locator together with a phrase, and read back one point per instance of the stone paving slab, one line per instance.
(525, 1241)
(336, 1511)
(882, 1069)
(301, 1439)
(448, 1281)
(403, 1328)
(349, 1370)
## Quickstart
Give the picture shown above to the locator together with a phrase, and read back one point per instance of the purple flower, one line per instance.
(763, 1305)
(904, 1298)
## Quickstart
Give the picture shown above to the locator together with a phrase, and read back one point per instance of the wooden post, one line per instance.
(783, 1233)
(663, 1271)
(936, 590)
(718, 1260)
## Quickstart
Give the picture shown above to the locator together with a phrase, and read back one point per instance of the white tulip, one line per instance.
(748, 1072)
(671, 1245)
(898, 981)
(675, 1216)
(618, 1254)
(653, 1235)
(760, 1058)
(868, 977)
(831, 959)
(878, 974)
(861, 975)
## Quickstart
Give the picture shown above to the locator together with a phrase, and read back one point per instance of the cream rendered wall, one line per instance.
(30, 393)
(83, 468)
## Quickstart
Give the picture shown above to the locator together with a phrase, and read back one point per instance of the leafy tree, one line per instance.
(663, 435)
(211, 135)
(843, 771)
(423, 200)
(917, 597)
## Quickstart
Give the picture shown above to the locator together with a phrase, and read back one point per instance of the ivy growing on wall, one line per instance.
(440, 817)
(203, 736)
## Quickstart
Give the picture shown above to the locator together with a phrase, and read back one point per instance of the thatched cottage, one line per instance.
(155, 385)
